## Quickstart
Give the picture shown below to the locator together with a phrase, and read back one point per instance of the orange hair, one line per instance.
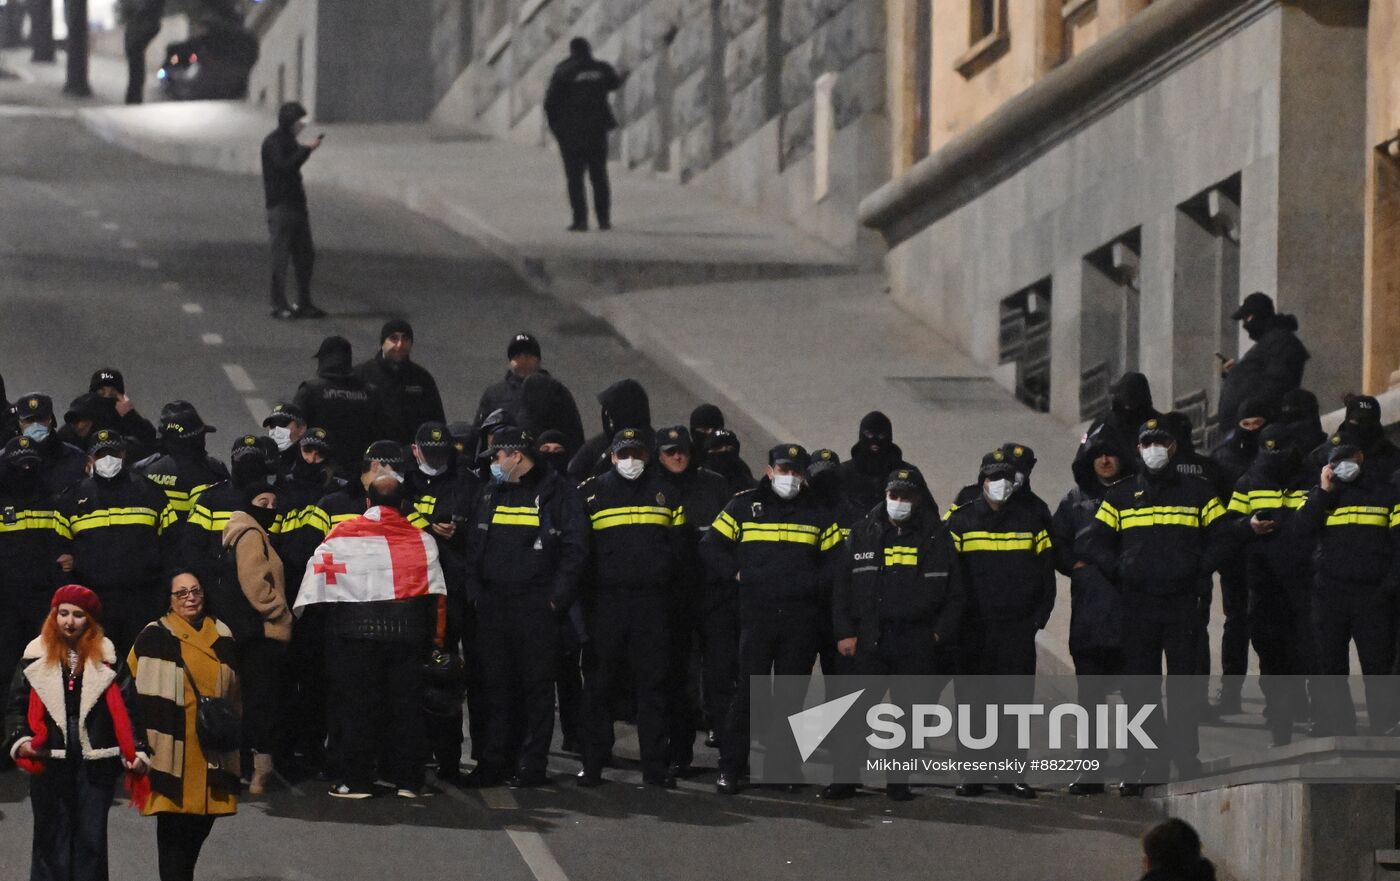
(56, 649)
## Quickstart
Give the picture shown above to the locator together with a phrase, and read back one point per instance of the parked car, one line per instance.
(210, 66)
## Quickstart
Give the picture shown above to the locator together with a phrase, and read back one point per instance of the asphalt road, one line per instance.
(106, 259)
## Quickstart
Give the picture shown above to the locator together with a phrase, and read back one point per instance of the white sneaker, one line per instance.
(342, 790)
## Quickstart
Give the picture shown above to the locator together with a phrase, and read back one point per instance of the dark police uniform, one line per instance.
(780, 551)
(408, 395)
(576, 107)
(527, 547)
(348, 408)
(627, 609)
(31, 541)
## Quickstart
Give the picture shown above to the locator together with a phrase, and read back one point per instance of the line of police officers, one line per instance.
(654, 559)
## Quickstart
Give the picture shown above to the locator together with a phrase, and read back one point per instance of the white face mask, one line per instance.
(107, 466)
(282, 435)
(1155, 458)
(631, 469)
(1346, 471)
(787, 486)
(1000, 490)
(898, 509)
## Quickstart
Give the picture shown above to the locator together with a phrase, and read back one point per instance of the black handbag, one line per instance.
(216, 722)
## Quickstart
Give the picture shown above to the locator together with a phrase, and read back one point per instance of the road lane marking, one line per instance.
(92, 213)
(258, 408)
(148, 263)
(192, 309)
(536, 855)
(111, 225)
(128, 244)
(242, 382)
(42, 112)
(499, 799)
(170, 286)
(212, 339)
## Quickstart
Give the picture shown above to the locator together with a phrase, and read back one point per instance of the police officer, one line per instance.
(286, 425)
(443, 495)
(1104, 459)
(703, 494)
(31, 542)
(201, 539)
(635, 515)
(60, 465)
(184, 469)
(1161, 535)
(408, 392)
(120, 538)
(1023, 461)
(777, 542)
(526, 548)
(343, 404)
(1005, 552)
(897, 599)
(1277, 576)
(1351, 524)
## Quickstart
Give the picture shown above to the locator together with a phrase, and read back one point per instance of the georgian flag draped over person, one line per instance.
(380, 556)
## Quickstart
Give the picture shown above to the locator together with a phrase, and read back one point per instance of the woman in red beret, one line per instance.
(68, 728)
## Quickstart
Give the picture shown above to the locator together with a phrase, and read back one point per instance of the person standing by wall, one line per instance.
(576, 107)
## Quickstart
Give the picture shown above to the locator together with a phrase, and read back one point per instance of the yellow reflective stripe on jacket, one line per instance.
(168, 517)
(1362, 515)
(968, 542)
(338, 519)
(314, 517)
(799, 533)
(901, 555)
(1108, 515)
(36, 520)
(636, 515)
(726, 526)
(117, 517)
(516, 515)
(832, 537)
(425, 505)
(183, 501)
(1212, 511)
(418, 520)
(1266, 499)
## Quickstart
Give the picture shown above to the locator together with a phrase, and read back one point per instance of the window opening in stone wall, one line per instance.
(1206, 291)
(1024, 340)
(1108, 320)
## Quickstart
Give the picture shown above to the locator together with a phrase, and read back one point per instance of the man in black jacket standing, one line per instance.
(576, 106)
(348, 408)
(288, 222)
(408, 392)
(1271, 368)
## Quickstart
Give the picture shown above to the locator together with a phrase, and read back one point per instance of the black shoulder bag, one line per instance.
(216, 723)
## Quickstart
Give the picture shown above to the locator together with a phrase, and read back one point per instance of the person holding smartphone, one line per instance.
(288, 221)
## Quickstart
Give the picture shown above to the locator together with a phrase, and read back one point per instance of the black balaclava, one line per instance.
(876, 442)
(1278, 458)
(556, 461)
(1252, 408)
(1132, 400)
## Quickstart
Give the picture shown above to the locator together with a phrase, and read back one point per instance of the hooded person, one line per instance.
(250, 597)
(545, 405)
(1234, 455)
(704, 420)
(722, 457)
(1278, 577)
(873, 456)
(348, 408)
(1299, 410)
(553, 448)
(288, 223)
(624, 405)
(1367, 430)
(1272, 367)
(1103, 460)
(1130, 405)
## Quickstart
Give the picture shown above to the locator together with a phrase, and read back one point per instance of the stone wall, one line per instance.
(706, 78)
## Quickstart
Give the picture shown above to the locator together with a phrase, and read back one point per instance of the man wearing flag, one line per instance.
(379, 577)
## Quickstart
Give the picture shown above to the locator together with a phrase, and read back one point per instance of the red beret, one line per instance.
(77, 595)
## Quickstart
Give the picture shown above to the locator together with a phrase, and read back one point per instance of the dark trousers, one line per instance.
(70, 801)
(519, 649)
(719, 657)
(306, 713)
(290, 229)
(1281, 631)
(1234, 636)
(260, 666)
(135, 74)
(903, 650)
(1097, 671)
(569, 684)
(1000, 649)
(588, 157)
(683, 699)
(777, 644)
(179, 839)
(1153, 628)
(626, 630)
(377, 693)
(1343, 613)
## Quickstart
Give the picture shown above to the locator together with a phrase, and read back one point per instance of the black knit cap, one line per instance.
(393, 326)
(723, 437)
(706, 416)
(107, 376)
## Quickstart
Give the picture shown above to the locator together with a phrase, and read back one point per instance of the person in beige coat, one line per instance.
(251, 598)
